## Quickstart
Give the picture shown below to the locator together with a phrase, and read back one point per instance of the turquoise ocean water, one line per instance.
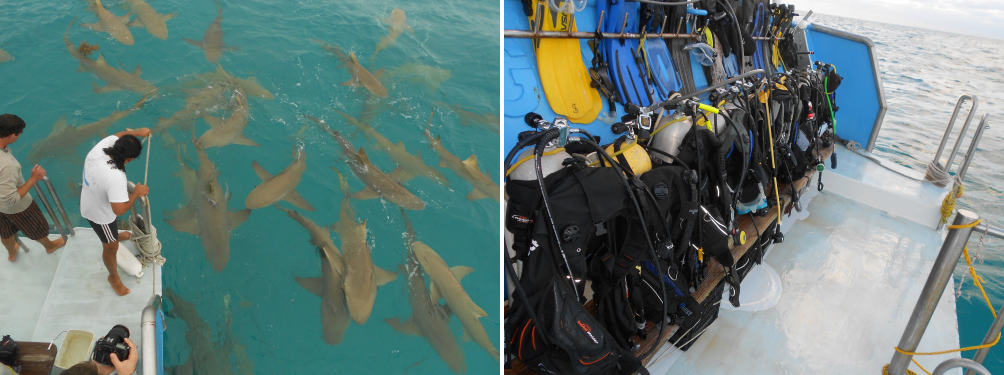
(924, 72)
(253, 317)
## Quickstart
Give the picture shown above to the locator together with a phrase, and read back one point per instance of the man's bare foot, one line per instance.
(125, 236)
(12, 256)
(54, 245)
(120, 289)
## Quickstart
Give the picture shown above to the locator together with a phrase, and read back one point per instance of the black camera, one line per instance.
(113, 342)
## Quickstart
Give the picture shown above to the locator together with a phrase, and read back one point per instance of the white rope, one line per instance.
(937, 174)
(147, 242)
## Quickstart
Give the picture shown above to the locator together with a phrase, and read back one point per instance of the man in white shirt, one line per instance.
(105, 194)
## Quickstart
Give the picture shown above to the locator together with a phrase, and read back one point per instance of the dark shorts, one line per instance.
(31, 222)
(108, 233)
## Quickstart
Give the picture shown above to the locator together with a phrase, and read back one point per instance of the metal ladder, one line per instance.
(961, 172)
(944, 265)
(40, 194)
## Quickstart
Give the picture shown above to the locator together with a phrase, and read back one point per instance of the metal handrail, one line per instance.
(973, 366)
(944, 265)
(934, 169)
(48, 208)
(941, 273)
(972, 147)
(59, 205)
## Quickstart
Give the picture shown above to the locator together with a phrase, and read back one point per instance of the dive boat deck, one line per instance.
(850, 275)
(69, 290)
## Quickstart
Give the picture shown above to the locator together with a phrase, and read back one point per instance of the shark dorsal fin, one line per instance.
(400, 144)
(472, 162)
(137, 71)
(460, 271)
(352, 57)
(261, 172)
(363, 156)
(479, 312)
(60, 125)
(101, 59)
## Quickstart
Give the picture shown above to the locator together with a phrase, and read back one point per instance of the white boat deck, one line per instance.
(850, 273)
(42, 295)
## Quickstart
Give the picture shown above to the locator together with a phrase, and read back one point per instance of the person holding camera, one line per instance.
(18, 212)
(105, 194)
(107, 351)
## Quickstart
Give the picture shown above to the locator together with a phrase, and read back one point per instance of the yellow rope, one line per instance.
(977, 280)
(766, 102)
(667, 124)
(948, 205)
(885, 370)
(521, 161)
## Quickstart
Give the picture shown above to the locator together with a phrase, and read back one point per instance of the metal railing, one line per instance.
(52, 214)
(148, 326)
(964, 166)
(944, 265)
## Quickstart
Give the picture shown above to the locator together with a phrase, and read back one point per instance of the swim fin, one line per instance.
(563, 75)
(627, 66)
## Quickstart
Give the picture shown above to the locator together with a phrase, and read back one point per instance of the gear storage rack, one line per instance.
(716, 273)
(536, 33)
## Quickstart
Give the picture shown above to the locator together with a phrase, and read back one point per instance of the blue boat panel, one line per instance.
(522, 85)
(858, 96)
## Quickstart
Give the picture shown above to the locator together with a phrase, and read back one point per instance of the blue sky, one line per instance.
(972, 17)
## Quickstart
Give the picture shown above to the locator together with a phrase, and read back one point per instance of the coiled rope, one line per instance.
(937, 174)
(976, 281)
(148, 244)
(948, 204)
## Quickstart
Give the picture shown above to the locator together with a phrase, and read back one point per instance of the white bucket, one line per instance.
(76, 348)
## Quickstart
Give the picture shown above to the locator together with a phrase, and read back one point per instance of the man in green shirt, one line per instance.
(18, 212)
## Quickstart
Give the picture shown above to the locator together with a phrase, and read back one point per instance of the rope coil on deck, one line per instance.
(976, 280)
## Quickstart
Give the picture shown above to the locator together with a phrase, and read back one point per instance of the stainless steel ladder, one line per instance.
(40, 195)
(937, 281)
(936, 163)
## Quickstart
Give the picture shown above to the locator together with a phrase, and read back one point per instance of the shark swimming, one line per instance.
(446, 284)
(490, 121)
(212, 41)
(484, 186)
(378, 184)
(5, 57)
(230, 130)
(147, 17)
(430, 76)
(116, 79)
(361, 276)
(207, 214)
(408, 166)
(398, 24)
(64, 139)
(110, 23)
(428, 319)
(360, 76)
(281, 186)
(334, 312)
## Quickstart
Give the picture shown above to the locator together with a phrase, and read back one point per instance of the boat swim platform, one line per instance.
(42, 295)
(851, 269)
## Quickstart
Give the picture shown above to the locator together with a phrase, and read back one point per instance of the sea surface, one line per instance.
(253, 316)
(923, 73)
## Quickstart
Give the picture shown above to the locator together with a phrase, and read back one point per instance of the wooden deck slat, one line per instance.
(715, 272)
(35, 357)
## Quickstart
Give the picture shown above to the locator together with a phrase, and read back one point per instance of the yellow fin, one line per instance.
(479, 312)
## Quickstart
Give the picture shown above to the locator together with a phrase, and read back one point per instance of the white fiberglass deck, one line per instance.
(43, 294)
(850, 276)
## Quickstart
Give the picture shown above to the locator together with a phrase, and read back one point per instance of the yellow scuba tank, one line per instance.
(630, 155)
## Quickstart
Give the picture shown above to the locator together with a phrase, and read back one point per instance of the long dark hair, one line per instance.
(124, 148)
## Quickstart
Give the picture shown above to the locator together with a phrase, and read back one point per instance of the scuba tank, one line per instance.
(549, 163)
(668, 135)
